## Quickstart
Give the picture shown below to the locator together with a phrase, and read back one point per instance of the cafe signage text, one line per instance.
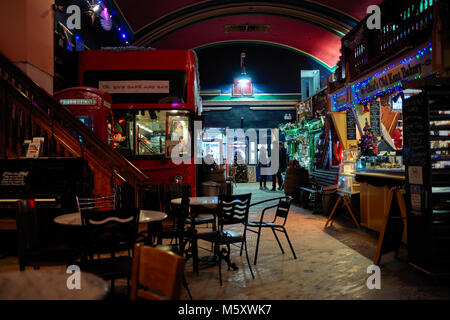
(412, 66)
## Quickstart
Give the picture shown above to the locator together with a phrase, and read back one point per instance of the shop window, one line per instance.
(152, 133)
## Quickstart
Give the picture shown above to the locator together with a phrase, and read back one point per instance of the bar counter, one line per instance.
(375, 185)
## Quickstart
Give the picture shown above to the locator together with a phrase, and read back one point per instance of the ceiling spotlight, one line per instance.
(96, 8)
(243, 82)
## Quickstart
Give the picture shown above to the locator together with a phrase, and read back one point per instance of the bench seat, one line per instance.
(321, 180)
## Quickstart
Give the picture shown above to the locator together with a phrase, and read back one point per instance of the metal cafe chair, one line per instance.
(108, 234)
(232, 210)
(277, 224)
(96, 203)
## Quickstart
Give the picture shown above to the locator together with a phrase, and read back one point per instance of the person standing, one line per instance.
(263, 162)
(282, 165)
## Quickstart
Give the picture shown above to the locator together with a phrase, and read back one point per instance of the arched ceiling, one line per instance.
(313, 28)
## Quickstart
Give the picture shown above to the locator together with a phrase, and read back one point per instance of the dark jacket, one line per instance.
(283, 159)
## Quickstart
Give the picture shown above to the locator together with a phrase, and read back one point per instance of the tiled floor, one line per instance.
(330, 264)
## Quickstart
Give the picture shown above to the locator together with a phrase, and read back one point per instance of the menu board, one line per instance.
(351, 125)
(415, 131)
(14, 178)
(375, 118)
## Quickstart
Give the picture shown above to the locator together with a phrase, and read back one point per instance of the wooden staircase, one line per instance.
(27, 111)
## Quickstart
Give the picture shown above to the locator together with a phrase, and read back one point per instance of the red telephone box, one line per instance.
(92, 107)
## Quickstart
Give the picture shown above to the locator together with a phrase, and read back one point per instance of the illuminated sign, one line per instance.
(80, 102)
(242, 87)
(135, 86)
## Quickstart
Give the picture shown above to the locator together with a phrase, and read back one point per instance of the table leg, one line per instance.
(154, 230)
(349, 208)
(332, 211)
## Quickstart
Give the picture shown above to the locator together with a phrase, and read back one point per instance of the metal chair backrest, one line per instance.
(96, 203)
(111, 230)
(233, 209)
(283, 207)
(183, 211)
(174, 191)
(157, 274)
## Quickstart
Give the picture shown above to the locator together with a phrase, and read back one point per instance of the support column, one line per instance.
(26, 38)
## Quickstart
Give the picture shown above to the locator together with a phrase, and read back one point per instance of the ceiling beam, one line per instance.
(183, 18)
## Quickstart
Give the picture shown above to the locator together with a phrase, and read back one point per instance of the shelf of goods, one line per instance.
(427, 160)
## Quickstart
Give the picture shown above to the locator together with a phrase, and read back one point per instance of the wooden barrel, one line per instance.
(295, 177)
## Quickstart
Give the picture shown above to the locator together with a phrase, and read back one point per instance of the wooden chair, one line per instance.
(157, 274)
(278, 223)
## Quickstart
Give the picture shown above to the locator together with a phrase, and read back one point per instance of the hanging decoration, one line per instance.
(299, 130)
(99, 9)
(106, 20)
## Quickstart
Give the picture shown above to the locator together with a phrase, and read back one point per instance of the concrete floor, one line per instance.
(331, 264)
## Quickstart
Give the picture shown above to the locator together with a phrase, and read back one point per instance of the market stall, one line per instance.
(368, 117)
(302, 138)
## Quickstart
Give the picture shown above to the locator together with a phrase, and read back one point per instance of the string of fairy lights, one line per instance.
(359, 87)
(97, 9)
(101, 10)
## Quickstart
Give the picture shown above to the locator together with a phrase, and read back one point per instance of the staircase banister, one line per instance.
(39, 98)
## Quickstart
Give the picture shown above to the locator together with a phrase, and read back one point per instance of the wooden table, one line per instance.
(146, 216)
(50, 284)
(383, 208)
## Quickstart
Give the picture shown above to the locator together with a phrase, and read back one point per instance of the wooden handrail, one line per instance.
(44, 104)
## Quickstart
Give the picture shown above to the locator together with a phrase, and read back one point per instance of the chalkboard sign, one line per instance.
(14, 178)
(375, 118)
(351, 125)
(416, 145)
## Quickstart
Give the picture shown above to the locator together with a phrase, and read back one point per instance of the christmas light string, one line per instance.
(356, 88)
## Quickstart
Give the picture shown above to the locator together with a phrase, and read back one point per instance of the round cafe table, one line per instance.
(50, 284)
(209, 202)
(146, 216)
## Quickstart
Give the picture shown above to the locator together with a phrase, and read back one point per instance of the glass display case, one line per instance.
(346, 181)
